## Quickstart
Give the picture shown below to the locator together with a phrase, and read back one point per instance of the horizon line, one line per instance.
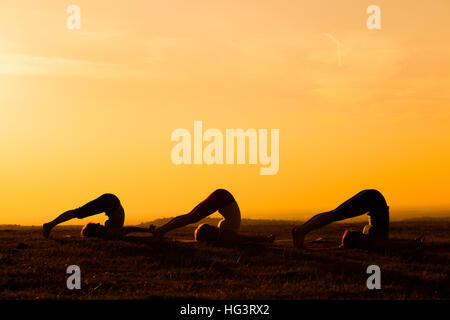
(351, 220)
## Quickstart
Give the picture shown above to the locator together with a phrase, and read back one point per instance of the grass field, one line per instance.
(32, 267)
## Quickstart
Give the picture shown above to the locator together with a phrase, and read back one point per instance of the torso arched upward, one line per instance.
(223, 201)
(107, 203)
(231, 217)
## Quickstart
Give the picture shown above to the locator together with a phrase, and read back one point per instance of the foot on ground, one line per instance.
(46, 228)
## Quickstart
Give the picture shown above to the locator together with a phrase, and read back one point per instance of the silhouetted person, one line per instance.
(228, 228)
(374, 235)
(113, 228)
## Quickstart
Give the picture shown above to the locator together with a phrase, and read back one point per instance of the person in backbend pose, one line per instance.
(375, 234)
(113, 228)
(228, 228)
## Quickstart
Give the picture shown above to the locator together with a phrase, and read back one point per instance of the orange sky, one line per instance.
(89, 111)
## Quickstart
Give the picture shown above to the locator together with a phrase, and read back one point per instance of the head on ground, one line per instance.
(206, 232)
(93, 230)
(354, 239)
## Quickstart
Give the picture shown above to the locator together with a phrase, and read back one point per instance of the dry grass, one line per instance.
(135, 268)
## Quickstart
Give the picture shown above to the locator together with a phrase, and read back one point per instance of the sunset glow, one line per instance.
(89, 111)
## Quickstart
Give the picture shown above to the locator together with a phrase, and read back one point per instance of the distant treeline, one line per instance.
(215, 221)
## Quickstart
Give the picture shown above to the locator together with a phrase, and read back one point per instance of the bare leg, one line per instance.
(178, 222)
(318, 221)
(105, 203)
(215, 201)
(66, 216)
(367, 201)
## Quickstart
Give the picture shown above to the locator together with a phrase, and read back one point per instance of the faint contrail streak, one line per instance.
(339, 50)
